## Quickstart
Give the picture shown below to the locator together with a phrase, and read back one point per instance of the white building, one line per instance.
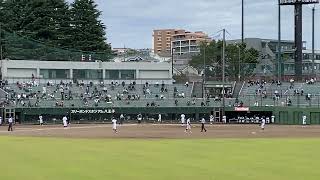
(141, 72)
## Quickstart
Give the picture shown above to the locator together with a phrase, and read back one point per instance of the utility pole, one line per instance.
(204, 72)
(239, 68)
(223, 71)
(242, 21)
(313, 65)
(172, 59)
(279, 42)
(1, 57)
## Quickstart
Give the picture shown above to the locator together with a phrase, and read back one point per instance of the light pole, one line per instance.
(313, 65)
(279, 41)
(242, 21)
(223, 71)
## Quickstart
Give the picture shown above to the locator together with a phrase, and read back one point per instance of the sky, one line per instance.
(130, 23)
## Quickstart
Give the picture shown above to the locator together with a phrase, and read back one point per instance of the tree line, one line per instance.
(238, 60)
(52, 30)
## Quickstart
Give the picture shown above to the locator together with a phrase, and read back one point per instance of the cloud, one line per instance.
(131, 22)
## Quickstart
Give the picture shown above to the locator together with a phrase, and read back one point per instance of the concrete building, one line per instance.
(162, 41)
(268, 59)
(180, 40)
(184, 42)
(141, 72)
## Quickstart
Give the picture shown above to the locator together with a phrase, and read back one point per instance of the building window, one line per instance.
(121, 74)
(55, 73)
(87, 74)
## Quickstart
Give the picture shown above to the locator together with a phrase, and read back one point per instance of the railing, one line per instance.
(281, 101)
(14, 80)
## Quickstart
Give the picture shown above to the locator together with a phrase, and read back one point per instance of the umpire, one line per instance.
(10, 121)
(203, 121)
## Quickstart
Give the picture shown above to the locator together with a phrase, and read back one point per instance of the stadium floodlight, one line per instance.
(298, 31)
(293, 2)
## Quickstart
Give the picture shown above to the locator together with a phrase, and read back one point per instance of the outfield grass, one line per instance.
(68, 159)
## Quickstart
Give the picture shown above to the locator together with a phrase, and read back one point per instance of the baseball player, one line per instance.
(121, 119)
(272, 119)
(211, 119)
(40, 120)
(159, 118)
(65, 121)
(10, 121)
(304, 120)
(183, 119)
(0, 121)
(263, 123)
(203, 121)
(139, 117)
(188, 128)
(267, 120)
(114, 125)
(224, 119)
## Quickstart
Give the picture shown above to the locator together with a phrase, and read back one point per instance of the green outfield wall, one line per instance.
(283, 115)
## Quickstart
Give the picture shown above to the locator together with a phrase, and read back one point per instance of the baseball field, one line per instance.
(54, 153)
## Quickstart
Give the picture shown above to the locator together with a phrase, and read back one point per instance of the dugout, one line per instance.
(233, 115)
(101, 115)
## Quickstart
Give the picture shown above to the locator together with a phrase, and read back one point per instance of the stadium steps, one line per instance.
(237, 89)
(197, 90)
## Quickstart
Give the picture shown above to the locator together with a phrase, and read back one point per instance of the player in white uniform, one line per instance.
(183, 119)
(304, 120)
(268, 120)
(188, 128)
(272, 119)
(114, 125)
(41, 120)
(211, 119)
(224, 119)
(263, 123)
(139, 118)
(65, 121)
(0, 121)
(159, 118)
(121, 119)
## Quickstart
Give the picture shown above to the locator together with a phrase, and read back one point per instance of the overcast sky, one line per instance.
(130, 22)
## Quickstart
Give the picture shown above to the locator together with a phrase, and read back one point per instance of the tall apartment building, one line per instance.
(181, 41)
(184, 42)
(162, 41)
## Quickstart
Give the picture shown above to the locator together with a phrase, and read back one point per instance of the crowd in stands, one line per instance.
(31, 94)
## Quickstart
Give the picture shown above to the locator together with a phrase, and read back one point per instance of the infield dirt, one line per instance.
(156, 131)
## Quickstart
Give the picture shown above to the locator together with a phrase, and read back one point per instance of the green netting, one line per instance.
(17, 47)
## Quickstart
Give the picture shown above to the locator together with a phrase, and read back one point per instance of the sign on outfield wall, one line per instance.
(93, 111)
(246, 109)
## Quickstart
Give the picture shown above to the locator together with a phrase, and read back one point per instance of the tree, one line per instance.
(44, 20)
(88, 32)
(42, 29)
(212, 55)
